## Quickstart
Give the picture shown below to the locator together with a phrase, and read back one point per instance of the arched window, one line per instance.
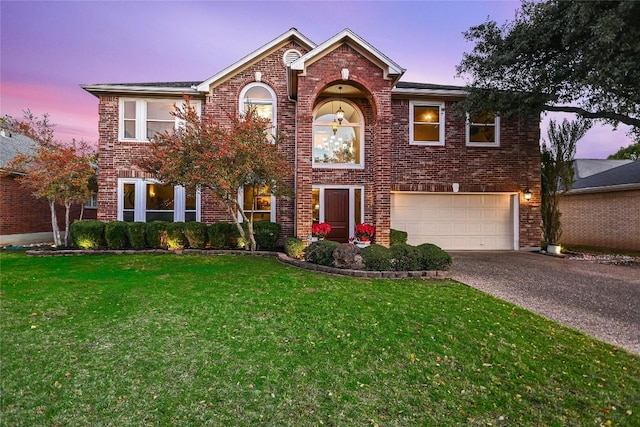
(262, 98)
(338, 143)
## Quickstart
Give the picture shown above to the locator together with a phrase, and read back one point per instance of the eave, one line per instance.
(124, 89)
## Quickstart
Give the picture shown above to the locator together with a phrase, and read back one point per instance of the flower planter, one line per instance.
(553, 249)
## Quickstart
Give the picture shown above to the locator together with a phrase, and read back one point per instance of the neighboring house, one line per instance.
(400, 158)
(23, 218)
(603, 207)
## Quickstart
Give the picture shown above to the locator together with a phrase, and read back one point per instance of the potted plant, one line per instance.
(319, 230)
(364, 235)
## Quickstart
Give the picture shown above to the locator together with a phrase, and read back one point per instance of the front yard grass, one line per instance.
(242, 340)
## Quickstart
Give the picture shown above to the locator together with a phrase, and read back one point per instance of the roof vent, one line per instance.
(290, 56)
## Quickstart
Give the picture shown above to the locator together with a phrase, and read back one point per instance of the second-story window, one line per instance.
(141, 119)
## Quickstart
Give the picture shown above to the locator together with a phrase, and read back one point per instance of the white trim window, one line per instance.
(147, 200)
(262, 204)
(141, 119)
(338, 144)
(261, 97)
(483, 130)
(426, 123)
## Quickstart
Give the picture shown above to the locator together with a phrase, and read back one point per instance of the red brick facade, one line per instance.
(390, 163)
(23, 214)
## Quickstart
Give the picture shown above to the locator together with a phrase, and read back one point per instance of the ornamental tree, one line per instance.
(203, 153)
(60, 173)
(571, 56)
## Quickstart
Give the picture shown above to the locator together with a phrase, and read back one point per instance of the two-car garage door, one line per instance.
(456, 221)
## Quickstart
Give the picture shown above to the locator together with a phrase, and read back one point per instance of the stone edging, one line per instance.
(283, 258)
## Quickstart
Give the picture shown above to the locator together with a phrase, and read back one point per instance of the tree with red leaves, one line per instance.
(203, 153)
(60, 173)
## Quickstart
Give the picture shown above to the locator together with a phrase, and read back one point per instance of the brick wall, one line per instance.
(608, 220)
(21, 213)
(511, 167)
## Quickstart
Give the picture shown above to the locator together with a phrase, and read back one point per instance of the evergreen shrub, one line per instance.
(175, 235)
(294, 247)
(320, 252)
(156, 234)
(115, 233)
(266, 234)
(376, 258)
(196, 234)
(434, 257)
(398, 237)
(136, 234)
(87, 234)
(405, 257)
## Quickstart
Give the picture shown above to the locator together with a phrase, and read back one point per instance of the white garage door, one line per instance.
(455, 221)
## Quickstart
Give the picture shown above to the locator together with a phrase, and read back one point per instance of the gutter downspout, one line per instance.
(295, 155)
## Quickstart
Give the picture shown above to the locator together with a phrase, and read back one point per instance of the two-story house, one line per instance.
(363, 147)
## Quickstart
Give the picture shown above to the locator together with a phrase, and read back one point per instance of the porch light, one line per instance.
(340, 112)
(527, 194)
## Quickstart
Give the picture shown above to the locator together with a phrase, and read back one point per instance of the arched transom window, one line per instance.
(261, 97)
(337, 143)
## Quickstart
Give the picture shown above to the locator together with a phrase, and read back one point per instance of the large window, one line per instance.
(146, 201)
(258, 202)
(261, 97)
(483, 130)
(141, 119)
(426, 123)
(337, 144)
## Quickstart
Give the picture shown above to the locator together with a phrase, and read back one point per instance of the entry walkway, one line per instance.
(600, 300)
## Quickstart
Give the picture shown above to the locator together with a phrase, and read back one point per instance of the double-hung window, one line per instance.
(426, 119)
(141, 119)
(483, 130)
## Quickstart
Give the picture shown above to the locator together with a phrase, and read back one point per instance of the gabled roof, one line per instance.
(292, 34)
(12, 144)
(605, 175)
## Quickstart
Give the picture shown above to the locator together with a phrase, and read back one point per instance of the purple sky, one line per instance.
(49, 48)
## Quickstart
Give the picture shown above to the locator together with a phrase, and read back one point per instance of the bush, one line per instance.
(266, 234)
(398, 237)
(221, 234)
(376, 258)
(175, 235)
(320, 252)
(115, 233)
(156, 234)
(136, 234)
(87, 234)
(196, 234)
(434, 258)
(293, 247)
(405, 257)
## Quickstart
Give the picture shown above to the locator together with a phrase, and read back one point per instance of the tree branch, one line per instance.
(609, 115)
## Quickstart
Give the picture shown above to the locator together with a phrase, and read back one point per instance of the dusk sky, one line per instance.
(49, 48)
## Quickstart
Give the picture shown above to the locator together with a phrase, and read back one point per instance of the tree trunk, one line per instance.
(67, 210)
(81, 211)
(54, 223)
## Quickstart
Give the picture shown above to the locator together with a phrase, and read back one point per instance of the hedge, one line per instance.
(434, 257)
(376, 258)
(115, 233)
(87, 234)
(294, 247)
(157, 234)
(136, 233)
(320, 252)
(398, 237)
(175, 235)
(196, 234)
(266, 234)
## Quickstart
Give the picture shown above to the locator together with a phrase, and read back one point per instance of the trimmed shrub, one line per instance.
(293, 247)
(405, 257)
(376, 258)
(87, 234)
(221, 234)
(157, 234)
(115, 233)
(434, 258)
(398, 237)
(175, 235)
(266, 234)
(136, 234)
(196, 234)
(320, 252)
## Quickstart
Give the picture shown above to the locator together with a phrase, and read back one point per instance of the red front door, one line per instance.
(336, 214)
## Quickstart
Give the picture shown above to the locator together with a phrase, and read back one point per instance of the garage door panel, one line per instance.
(455, 221)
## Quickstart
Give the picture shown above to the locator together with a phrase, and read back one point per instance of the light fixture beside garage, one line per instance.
(527, 194)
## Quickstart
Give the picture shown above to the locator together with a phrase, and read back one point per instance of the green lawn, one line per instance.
(240, 340)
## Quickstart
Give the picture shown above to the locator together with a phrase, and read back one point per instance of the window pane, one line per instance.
(158, 127)
(343, 147)
(426, 114)
(247, 204)
(160, 110)
(159, 197)
(159, 216)
(127, 216)
(483, 118)
(357, 195)
(189, 216)
(258, 93)
(422, 132)
(129, 195)
(129, 128)
(479, 133)
(130, 110)
(315, 200)
(190, 200)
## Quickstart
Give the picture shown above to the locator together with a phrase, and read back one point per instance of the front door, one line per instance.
(336, 214)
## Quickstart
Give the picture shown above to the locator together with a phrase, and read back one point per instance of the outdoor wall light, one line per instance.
(527, 194)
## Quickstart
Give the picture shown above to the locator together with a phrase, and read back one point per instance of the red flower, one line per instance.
(365, 232)
(320, 229)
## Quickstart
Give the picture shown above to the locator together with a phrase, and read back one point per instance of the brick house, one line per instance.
(399, 158)
(23, 218)
(601, 209)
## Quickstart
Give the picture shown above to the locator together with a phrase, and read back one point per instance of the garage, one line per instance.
(458, 221)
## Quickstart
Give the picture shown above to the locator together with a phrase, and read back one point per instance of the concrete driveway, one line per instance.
(600, 300)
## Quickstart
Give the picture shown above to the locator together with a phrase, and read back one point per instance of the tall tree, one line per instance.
(54, 171)
(202, 153)
(581, 57)
(557, 172)
(632, 152)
